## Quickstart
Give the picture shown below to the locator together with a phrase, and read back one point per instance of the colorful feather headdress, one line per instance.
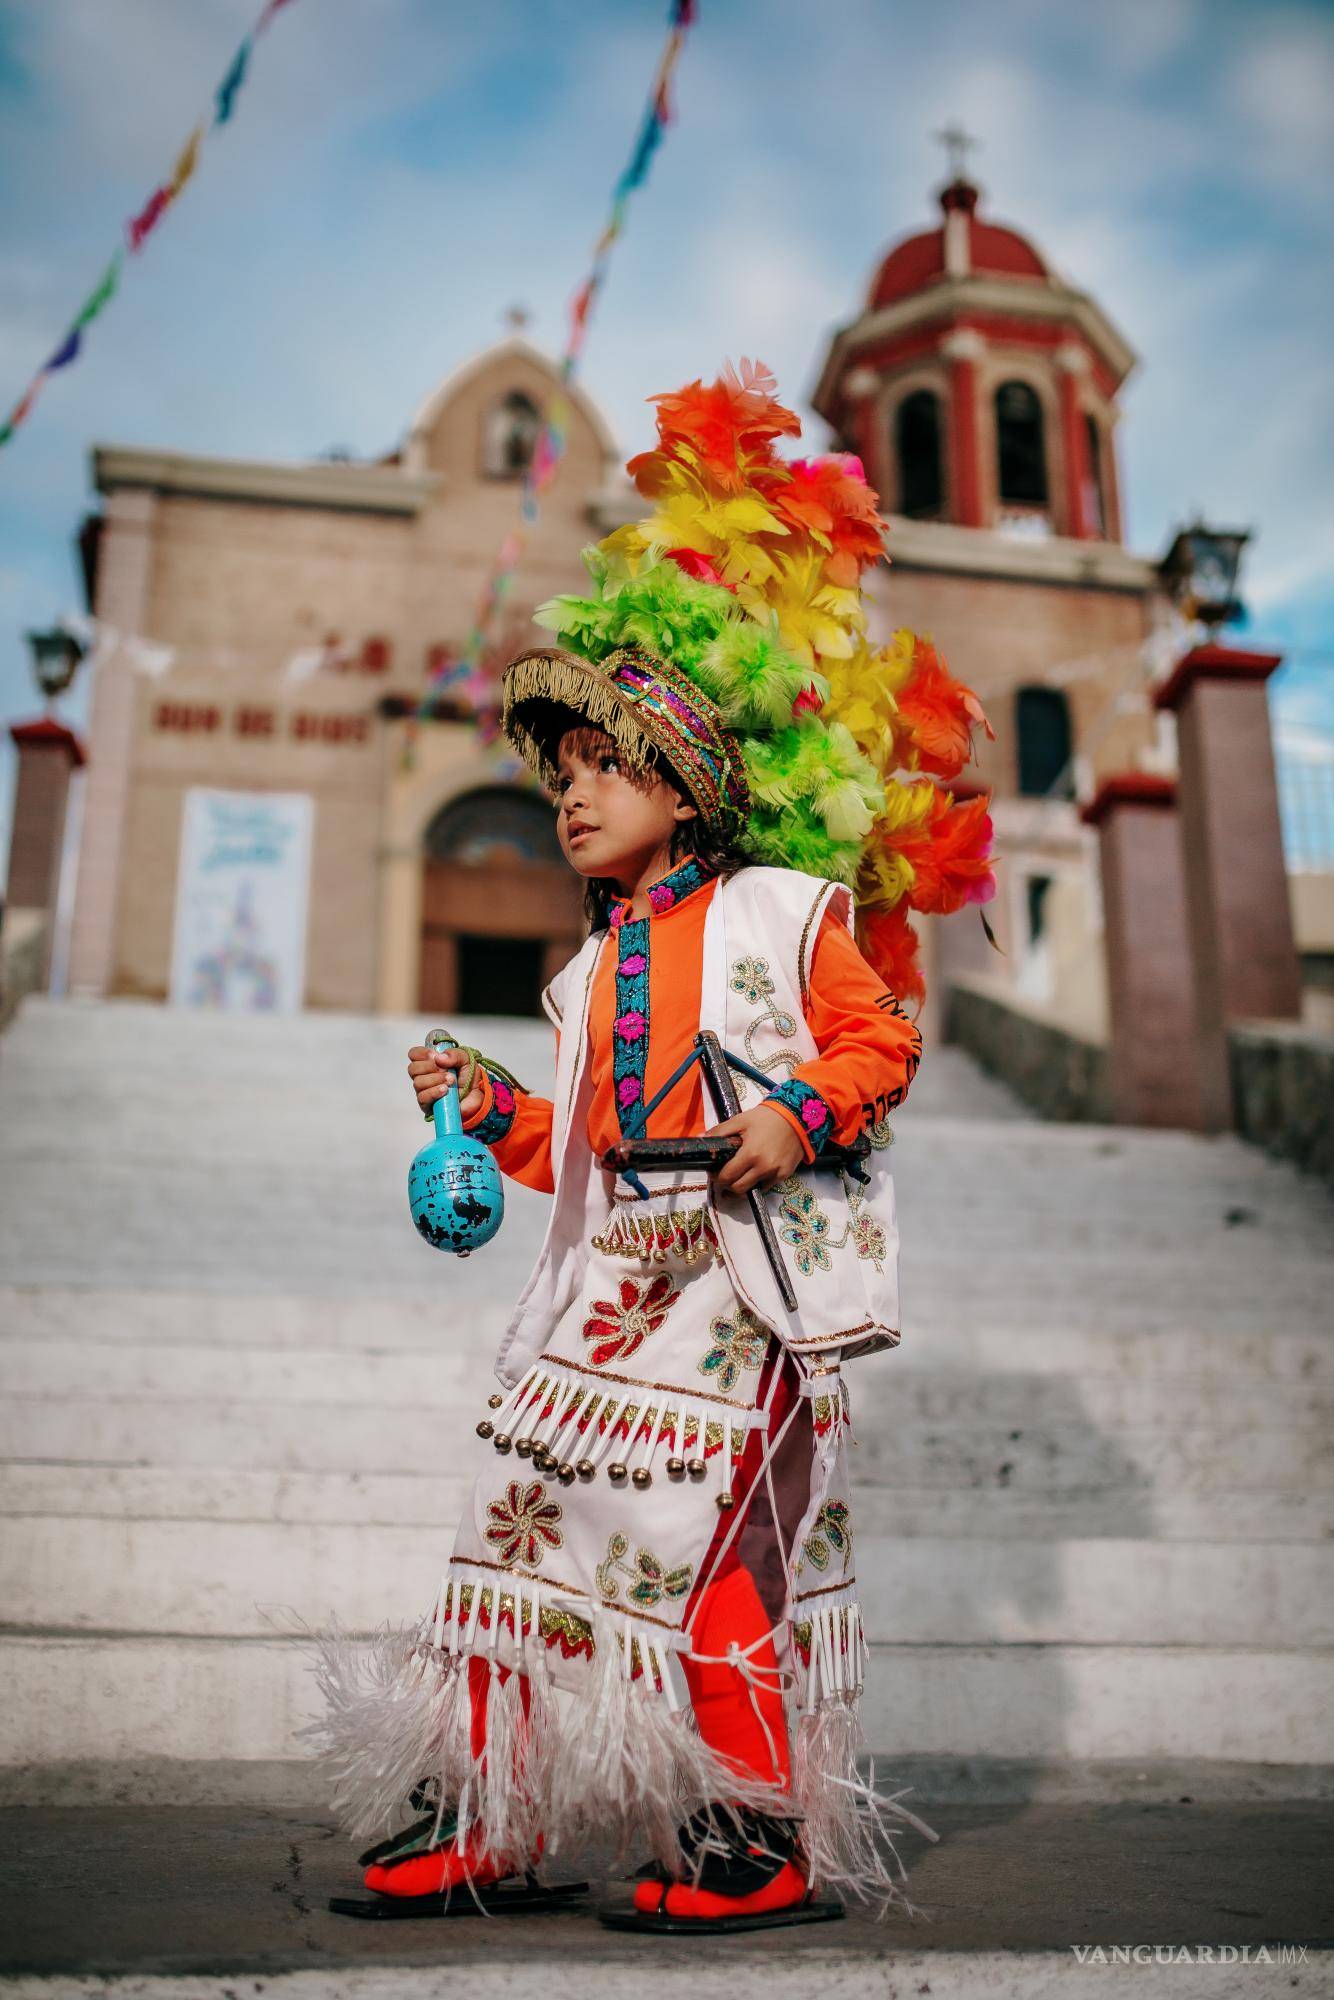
(744, 583)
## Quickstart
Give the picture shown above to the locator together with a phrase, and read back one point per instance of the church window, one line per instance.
(1020, 448)
(1093, 507)
(1042, 727)
(510, 434)
(917, 436)
(1037, 888)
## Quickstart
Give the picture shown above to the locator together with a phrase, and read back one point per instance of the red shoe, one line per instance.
(743, 1873)
(437, 1872)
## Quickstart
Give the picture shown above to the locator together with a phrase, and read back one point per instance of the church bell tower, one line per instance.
(978, 387)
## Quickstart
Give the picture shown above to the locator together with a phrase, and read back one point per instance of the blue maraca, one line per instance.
(454, 1186)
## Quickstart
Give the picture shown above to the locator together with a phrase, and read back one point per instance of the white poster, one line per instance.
(241, 894)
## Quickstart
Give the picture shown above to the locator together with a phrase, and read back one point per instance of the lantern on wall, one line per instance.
(1200, 572)
(55, 661)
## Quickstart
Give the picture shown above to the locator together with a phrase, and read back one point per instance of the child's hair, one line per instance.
(719, 856)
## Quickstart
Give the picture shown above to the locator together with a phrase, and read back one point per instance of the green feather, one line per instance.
(814, 792)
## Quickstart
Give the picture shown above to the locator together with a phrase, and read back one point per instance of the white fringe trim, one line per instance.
(828, 1648)
(848, 1827)
(618, 1765)
(655, 1235)
(611, 1768)
(577, 1415)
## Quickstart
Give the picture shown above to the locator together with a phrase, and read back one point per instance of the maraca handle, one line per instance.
(445, 1110)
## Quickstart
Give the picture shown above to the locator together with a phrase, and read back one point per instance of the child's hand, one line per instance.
(430, 1070)
(769, 1151)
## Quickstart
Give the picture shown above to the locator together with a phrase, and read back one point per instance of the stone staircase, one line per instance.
(1096, 1483)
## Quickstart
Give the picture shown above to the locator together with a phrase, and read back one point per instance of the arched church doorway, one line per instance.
(502, 910)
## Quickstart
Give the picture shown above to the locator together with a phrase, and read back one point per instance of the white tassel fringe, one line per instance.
(619, 1767)
(848, 1826)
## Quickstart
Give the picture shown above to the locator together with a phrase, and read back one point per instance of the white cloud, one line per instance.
(1281, 83)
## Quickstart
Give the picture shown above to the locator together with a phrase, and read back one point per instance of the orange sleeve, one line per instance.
(868, 1048)
(517, 1128)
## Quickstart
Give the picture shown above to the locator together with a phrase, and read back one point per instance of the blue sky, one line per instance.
(399, 172)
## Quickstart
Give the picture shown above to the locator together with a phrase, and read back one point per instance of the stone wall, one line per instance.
(1282, 1074)
(1283, 1092)
(22, 958)
(1061, 1076)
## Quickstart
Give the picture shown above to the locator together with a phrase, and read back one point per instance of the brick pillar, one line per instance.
(47, 754)
(1155, 1058)
(124, 572)
(1073, 364)
(963, 350)
(1237, 904)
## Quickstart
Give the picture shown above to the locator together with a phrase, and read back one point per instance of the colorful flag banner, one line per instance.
(550, 446)
(141, 226)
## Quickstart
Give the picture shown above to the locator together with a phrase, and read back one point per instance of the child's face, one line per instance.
(613, 821)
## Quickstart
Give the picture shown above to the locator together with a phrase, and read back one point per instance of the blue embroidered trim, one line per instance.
(671, 889)
(817, 1120)
(498, 1120)
(630, 1026)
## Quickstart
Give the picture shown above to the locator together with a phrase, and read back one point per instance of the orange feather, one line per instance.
(720, 430)
(936, 717)
(950, 854)
(891, 945)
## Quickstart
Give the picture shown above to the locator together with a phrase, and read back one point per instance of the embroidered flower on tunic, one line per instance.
(524, 1525)
(803, 1224)
(831, 1536)
(620, 1326)
(650, 1579)
(751, 979)
(739, 1342)
(868, 1238)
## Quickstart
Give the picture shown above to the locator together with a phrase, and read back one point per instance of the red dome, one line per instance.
(909, 268)
(920, 260)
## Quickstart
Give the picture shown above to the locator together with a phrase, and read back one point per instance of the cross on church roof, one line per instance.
(958, 144)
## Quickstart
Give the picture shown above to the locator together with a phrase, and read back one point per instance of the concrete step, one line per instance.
(102, 1492)
(455, 1376)
(221, 1578)
(449, 1379)
(1001, 1341)
(338, 1437)
(124, 1699)
(277, 1184)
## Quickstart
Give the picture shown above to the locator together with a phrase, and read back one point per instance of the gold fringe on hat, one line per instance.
(653, 712)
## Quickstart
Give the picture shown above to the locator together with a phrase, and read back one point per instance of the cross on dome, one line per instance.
(958, 144)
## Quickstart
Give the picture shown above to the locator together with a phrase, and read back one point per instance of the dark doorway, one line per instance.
(500, 975)
(502, 911)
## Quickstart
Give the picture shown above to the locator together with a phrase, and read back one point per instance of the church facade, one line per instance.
(303, 608)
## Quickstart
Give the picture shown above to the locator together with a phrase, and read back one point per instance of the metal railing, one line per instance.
(1305, 774)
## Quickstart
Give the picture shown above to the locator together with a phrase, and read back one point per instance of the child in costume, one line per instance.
(659, 1565)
